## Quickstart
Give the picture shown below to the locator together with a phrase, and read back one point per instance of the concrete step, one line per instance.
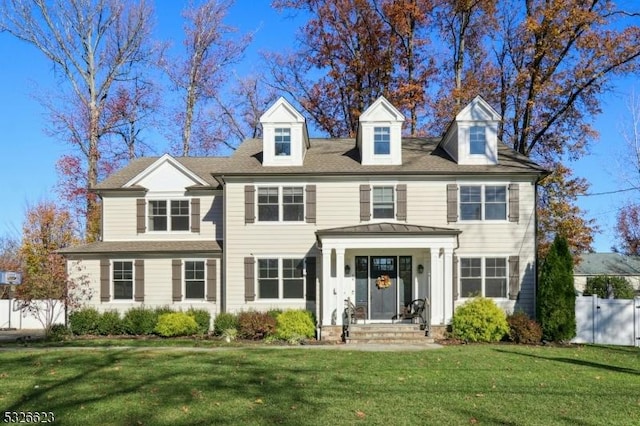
(387, 333)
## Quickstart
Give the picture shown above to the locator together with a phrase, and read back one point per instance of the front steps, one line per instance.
(387, 333)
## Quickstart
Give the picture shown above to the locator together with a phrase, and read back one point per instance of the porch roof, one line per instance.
(144, 247)
(386, 228)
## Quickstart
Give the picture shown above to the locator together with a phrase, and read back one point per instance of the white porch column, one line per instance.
(437, 289)
(340, 290)
(447, 281)
(327, 285)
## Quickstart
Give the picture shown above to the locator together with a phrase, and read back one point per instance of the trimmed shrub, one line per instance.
(58, 333)
(523, 329)
(84, 321)
(603, 284)
(274, 312)
(110, 323)
(294, 324)
(224, 321)
(255, 325)
(140, 321)
(176, 324)
(480, 320)
(556, 301)
(202, 317)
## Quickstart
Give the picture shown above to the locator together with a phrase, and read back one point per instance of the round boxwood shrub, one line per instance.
(140, 321)
(202, 317)
(176, 324)
(294, 325)
(480, 320)
(523, 329)
(58, 333)
(84, 321)
(110, 323)
(224, 321)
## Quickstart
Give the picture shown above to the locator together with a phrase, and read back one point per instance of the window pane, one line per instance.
(292, 268)
(496, 287)
(381, 140)
(470, 203)
(383, 203)
(283, 142)
(194, 290)
(292, 204)
(158, 215)
(293, 289)
(268, 289)
(495, 203)
(471, 267)
(268, 204)
(470, 287)
(477, 140)
(268, 268)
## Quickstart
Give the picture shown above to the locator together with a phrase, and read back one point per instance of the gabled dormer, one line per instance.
(166, 176)
(284, 135)
(379, 137)
(473, 136)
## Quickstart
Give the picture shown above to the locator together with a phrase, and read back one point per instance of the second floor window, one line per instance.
(282, 142)
(381, 140)
(175, 217)
(483, 202)
(383, 203)
(270, 200)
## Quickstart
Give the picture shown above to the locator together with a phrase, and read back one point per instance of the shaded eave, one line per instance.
(127, 248)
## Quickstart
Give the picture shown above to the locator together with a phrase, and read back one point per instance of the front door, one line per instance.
(383, 287)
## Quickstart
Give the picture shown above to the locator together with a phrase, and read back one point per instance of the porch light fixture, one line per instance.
(347, 269)
(420, 269)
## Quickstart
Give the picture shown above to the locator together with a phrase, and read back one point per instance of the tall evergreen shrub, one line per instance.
(556, 299)
(603, 284)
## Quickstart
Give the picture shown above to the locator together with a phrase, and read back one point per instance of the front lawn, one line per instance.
(467, 384)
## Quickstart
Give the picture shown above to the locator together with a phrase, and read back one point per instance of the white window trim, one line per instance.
(483, 202)
(184, 280)
(133, 281)
(280, 220)
(483, 271)
(280, 259)
(168, 201)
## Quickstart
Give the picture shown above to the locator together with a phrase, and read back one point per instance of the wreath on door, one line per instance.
(383, 281)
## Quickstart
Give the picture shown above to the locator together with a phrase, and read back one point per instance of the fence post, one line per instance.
(595, 310)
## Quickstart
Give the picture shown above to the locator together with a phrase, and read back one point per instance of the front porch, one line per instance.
(382, 268)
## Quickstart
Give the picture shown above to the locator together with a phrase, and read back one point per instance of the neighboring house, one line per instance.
(613, 264)
(290, 221)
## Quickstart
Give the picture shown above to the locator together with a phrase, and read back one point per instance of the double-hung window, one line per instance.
(268, 207)
(487, 202)
(123, 280)
(282, 141)
(194, 279)
(383, 202)
(477, 140)
(381, 140)
(485, 277)
(270, 200)
(280, 278)
(174, 218)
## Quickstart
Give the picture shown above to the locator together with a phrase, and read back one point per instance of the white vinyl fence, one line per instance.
(607, 321)
(13, 316)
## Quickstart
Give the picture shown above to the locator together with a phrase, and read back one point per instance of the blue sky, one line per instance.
(27, 173)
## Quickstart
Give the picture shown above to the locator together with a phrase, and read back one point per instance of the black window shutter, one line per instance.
(311, 278)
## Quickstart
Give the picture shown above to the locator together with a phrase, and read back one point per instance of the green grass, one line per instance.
(455, 385)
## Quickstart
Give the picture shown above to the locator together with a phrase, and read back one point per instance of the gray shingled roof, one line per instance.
(340, 157)
(331, 157)
(201, 166)
(608, 264)
(155, 247)
(386, 228)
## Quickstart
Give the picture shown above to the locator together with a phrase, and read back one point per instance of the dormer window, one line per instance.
(283, 141)
(477, 140)
(381, 140)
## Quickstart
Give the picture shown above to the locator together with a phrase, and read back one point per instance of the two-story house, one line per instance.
(290, 221)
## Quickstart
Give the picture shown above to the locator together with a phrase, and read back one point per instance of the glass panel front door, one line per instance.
(383, 287)
(406, 280)
(362, 283)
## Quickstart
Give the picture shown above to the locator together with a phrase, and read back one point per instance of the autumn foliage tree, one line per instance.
(45, 286)
(9, 260)
(93, 45)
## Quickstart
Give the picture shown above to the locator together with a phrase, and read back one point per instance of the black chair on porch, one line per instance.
(416, 310)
